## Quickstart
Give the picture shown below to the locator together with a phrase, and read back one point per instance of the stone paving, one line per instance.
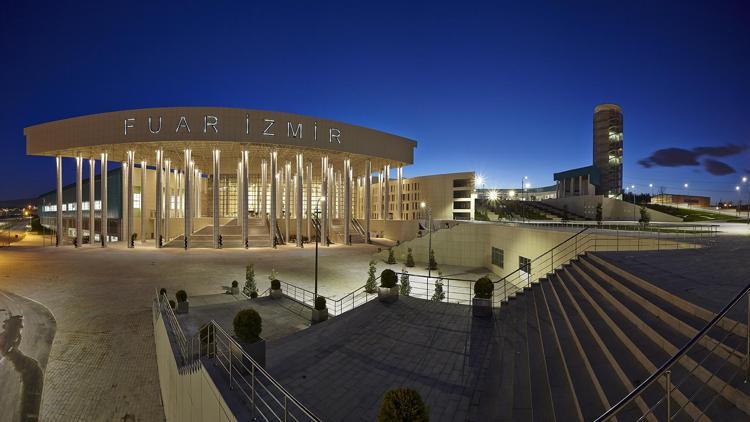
(102, 364)
(341, 368)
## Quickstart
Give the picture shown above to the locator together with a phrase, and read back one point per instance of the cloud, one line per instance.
(678, 157)
(717, 168)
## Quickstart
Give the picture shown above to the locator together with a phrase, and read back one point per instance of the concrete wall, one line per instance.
(401, 230)
(187, 394)
(612, 209)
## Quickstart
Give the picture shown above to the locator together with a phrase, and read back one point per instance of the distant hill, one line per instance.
(16, 203)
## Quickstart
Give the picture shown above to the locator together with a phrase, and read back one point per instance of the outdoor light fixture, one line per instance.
(422, 205)
(744, 179)
(512, 193)
(479, 180)
(493, 195)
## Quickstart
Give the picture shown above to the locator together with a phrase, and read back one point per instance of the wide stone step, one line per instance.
(541, 395)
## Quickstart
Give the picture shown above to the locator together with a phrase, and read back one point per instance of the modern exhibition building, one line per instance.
(231, 177)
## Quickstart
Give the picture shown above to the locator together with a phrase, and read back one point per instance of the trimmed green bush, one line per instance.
(388, 279)
(391, 258)
(249, 286)
(483, 288)
(371, 284)
(402, 405)
(162, 292)
(320, 303)
(181, 296)
(275, 284)
(234, 284)
(253, 294)
(247, 325)
(405, 285)
(433, 264)
(439, 294)
(172, 304)
(409, 258)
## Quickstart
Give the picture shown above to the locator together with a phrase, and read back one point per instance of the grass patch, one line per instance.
(692, 215)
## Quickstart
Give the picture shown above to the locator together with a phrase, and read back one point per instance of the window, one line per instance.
(85, 206)
(461, 183)
(137, 198)
(461, 205)
(498, 257)
(97, 205)
(524, 264)
(462, 194)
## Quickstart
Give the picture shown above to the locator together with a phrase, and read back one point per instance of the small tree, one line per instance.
(599, 214)
(409, 258)
(439, 294)
(274, 275)
(248, 325)
(645, 216)
(402, 405)
(371, 285)
(565, 215)
(250, 286)
(405, 286)
(391, 258)
(433, 264)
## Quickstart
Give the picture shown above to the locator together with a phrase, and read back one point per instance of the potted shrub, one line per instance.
(320, 312)
(276, 289)
(182, 302)
(409, 258)
(388, 290)
(371, 285)
(402, 405)
(247, 326)
(250, 286)
(481, 304)
(235, 290)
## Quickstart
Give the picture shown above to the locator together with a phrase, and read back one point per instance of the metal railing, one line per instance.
(263, 397)
(684, 379)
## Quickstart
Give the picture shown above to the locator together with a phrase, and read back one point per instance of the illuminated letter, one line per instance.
(150, 127)
(182, 123)
(247, 124)
(291, 133)
(210, 121)
(334, 133)
(270, 123)
(127, 124)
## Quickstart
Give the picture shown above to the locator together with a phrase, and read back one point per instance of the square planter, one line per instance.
(256, 350)
(388, 295)
(234, 291)
(319, 315)
(481, 308)
(182, 307)
(276, 293)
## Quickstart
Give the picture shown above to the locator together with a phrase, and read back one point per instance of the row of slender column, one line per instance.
(190, 189)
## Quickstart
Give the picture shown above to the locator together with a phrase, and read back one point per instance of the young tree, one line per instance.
(250, 286)
(405, 286)
(371, 285)
(391, 258)
(409, 258)
(274, 275)
(439, 294)
(565, 213)
(599, 214)
(433, 264)
(645, 216)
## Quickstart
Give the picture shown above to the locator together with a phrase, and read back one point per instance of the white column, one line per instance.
(272, 222)
(216, 176)
(103, 217)
(186, 209)
(143, 201)
(399, 201)
(368, 198)
(324, 202)
(79, 200)
(244, 160)
(58, 212)
(287, 199)
(263, 189)
(159, 197)
(309, 201)
(347, 200)
(298, 198)
(130, 168)
(92, 196)
(387, 193)
(168, 193)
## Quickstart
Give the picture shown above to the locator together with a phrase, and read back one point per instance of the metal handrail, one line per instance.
(192, 354)
(614, 410)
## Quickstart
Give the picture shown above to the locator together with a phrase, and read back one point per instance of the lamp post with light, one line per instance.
(426, 207)
(317, 239)
(632, 192)
(686, 194)
(744, 183)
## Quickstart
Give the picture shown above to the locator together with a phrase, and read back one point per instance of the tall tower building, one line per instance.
(608, 148)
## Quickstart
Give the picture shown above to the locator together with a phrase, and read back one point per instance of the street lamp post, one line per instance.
(744, 182)
(686, 194)
(429, 241)
(632, 192)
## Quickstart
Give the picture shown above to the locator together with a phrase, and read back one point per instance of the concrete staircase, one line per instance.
(553, 212)
(337, 232)
(574, 344)
(231, 235)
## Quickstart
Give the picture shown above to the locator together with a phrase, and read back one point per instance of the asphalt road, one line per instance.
(26, 337)
(12, 231)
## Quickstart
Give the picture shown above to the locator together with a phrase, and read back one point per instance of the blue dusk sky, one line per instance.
(503, 88)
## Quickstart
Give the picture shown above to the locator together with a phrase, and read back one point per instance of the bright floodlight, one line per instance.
(512, 193)
(686, 185)
(651, 185)
(479, 180)
(736, 188)
(493, 195)
(744, 179)
(422, 205)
